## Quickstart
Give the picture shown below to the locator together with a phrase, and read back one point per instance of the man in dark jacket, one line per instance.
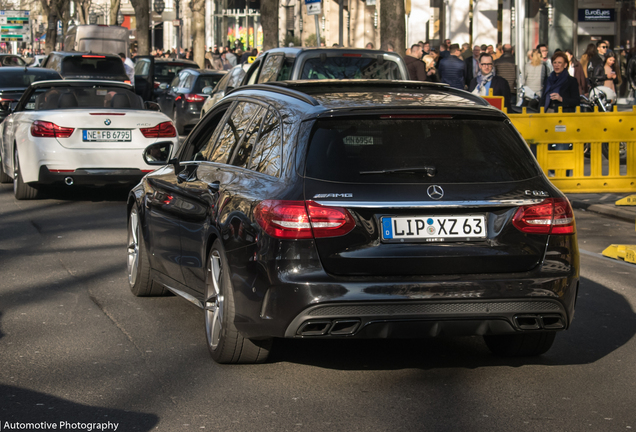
(472, 64)
(596, 63)
(505, 68)
(486, 80)
(415, 65)
(452, 69)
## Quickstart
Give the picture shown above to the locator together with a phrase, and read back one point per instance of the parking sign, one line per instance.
(313, 7)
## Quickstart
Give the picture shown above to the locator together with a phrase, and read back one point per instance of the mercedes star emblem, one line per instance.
(107, 122)
(435, 192)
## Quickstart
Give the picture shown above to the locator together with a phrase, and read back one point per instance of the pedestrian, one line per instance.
(535, 73)
(631, 77)
(486, 80)
(426, 47)
(466, 51)
(369, 45)
(443, 51)
(431, 72)
(505, 67)
(606, 74)
(416, 68)
(226, 63)
(561, 89)
(472, 64)
(586, 61)
(597, 64)
(498, 52)
(452, 69)
(576, 70)
(543, 49)
(129, 67)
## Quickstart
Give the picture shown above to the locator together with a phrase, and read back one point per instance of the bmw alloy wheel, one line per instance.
(133, 247)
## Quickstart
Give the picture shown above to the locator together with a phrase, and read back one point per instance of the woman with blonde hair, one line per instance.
(431, 72)
(535, 73)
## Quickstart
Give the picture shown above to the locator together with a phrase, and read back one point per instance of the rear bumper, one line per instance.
(92, 177)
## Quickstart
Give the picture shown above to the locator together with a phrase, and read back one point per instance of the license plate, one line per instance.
(107, 135)
(434, 228)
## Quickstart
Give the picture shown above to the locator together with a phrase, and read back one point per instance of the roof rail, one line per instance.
(272, 87)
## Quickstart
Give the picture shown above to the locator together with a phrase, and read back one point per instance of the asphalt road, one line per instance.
(76, 346)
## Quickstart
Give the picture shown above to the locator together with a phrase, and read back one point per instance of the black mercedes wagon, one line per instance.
(356, 209)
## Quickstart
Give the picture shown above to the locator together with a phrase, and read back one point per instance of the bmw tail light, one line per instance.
(192, 97)
(551, 216)
(44, 129)
(157, 84)
(302, 219)
(162, 130)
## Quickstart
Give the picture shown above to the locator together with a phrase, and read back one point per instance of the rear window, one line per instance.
(165, 72)
(12, 61)
(350, 68)
(19, 78)
(55, 98)
(206, 81)
(93, 66)
(454, 150)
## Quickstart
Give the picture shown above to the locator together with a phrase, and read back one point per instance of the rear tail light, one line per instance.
(44, 129)
(162, 130)
(302, 219)
(192, 97)
(157, 84)
(93, 56)
(551, 216)
(127, 82)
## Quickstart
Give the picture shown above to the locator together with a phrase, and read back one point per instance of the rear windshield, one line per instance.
(19, 78)
(113, 46)
(206, 81)
(453, 150)
(54, 98)
(165, 72)
(93, 66)
(350, 68)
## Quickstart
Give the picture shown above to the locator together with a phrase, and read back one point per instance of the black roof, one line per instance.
(356, 94)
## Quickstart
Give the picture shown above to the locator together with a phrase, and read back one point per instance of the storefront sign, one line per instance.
(596, 15)
(240, 12)
(596, 28)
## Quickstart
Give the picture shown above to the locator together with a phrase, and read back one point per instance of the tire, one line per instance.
(520, 345)
(4, 177)
(22, 190)
(137, 264)
(225, 343)
(622, 151)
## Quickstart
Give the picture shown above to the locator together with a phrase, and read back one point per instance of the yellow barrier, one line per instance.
(625, 252)
(583, 152)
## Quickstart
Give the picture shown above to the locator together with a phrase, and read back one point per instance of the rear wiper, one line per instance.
(429, 170)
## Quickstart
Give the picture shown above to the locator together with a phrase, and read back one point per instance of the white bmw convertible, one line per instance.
(81, 132)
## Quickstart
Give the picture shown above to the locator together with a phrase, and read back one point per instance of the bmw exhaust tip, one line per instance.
(68, 181)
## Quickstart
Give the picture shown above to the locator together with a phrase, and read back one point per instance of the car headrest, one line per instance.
(120, 101)
(68, 100)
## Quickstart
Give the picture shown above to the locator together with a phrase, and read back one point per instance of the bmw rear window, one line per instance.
(415, 150)
(56, 98)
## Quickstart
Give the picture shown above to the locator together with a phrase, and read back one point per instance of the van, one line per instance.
(97, 39)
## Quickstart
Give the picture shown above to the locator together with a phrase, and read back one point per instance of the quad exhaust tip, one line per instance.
(329, 327)
(69, 181)
(539, 322)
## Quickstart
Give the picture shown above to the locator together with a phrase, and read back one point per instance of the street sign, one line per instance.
(176, 22)
(314, 7)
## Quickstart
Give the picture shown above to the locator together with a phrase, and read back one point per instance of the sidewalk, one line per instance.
(603, 203)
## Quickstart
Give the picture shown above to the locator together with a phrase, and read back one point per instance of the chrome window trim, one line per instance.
(429, 204)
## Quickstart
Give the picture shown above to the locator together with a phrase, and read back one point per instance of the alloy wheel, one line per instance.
(133, 247)
(214, 301)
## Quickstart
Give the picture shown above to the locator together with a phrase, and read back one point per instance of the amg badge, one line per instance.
(334, 195)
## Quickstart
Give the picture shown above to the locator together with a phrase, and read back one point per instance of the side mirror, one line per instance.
(152, 106)
(164, 86)
(207, 90)
(158, 154)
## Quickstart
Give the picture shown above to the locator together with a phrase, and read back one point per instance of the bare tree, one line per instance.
(198, 31)
(393, 25)
(54, 10)
(142, 13)
(112, 12)
(7, 5)
(83, 9)
(269, 21)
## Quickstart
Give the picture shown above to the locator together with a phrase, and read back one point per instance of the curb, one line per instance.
(606, 210)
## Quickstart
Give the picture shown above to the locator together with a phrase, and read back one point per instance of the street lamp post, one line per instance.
(159, 7)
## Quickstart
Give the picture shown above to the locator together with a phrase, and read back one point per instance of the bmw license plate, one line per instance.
(433, 228)
(107, 135)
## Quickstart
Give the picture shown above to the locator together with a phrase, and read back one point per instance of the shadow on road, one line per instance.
(26, 406)
(604, 321)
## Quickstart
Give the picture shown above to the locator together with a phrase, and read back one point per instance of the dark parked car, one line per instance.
(11, 60)
(357, 209)
(15, 80)
(296, 63)
(153, 76)
(230, 81)
(74, 65)
(185, 96)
